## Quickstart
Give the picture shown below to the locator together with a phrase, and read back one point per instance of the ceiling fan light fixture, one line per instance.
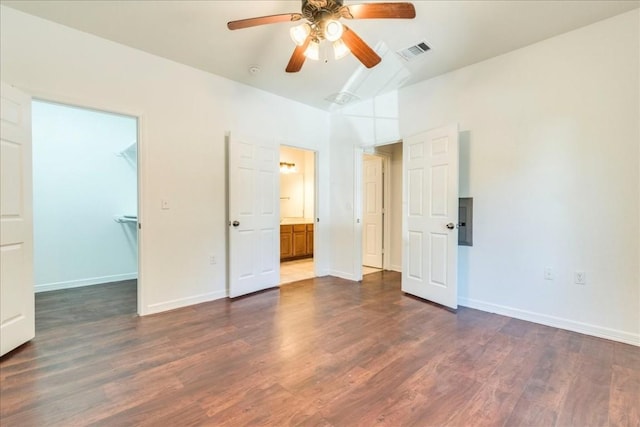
(333, 30)
(340, 49)
(319, 21)
(313, 50)
(299, 33)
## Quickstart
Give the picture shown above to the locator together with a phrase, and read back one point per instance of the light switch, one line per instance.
(164, 204)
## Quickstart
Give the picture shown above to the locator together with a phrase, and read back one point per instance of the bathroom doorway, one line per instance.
(297, 214)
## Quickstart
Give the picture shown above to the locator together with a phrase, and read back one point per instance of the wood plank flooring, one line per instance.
(321, 352)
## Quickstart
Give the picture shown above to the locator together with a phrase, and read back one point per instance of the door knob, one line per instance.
(451, 226)
(235, 223)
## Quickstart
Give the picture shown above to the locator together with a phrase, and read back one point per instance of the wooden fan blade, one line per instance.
(263, 20)
(379, 10)
(360, 49)
(297, 58)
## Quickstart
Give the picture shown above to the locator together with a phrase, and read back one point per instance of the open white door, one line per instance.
(372, 228)
(429, 267)
(17, 317)
(254, 219)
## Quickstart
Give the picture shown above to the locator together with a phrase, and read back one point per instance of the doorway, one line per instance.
(382, 209)
(85, 208)
(297, 214)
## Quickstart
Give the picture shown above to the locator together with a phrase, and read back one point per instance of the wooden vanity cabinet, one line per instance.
(296, 241)
(299, 240)
(286, 241)
(310, 239)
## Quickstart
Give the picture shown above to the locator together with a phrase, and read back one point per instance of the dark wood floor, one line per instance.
(320, 352)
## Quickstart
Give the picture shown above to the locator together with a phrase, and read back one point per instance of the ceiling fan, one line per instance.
(321, 22)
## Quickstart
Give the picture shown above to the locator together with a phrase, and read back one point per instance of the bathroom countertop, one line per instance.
(289, 221)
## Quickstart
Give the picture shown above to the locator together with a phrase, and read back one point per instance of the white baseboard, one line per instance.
(343, 275)
(69, 284)
(183, 302)
(323, 272)
(558, 322)
(397, 268)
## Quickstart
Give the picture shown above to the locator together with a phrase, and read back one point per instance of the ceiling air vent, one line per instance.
(341, 98)
(412, 51)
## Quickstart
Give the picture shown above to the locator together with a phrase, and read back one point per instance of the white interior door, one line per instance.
(372, 228)
(17, 317)
(429, 267)
(254, 220)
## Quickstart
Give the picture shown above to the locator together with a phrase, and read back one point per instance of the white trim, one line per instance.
(386, 193)
(343, 275)
(80, 102)
(88, 104)
(184, 302)
(558, 322)
(358, 204)
(141, 148)
(357, 213)
(317, 228)
(386, 222)
(395, 267)
(90, 281)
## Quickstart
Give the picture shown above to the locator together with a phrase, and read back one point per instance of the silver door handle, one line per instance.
(236, 223)
(451, 226)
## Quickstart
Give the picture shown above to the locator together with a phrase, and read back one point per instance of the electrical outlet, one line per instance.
(212, 259)
(548, 273)
(581, 277)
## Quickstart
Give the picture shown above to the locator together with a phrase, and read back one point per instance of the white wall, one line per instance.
(549, 152)
(184, 116)
(552, 162)
(79, 185)
(344, 260)
(367, 123)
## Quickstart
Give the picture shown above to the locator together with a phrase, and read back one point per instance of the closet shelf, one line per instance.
(129, 150)
(130, 153)
(125, 218)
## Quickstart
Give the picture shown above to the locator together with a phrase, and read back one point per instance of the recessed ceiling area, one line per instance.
(458, 33)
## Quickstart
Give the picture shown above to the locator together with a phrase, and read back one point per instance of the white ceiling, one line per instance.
(195, 33)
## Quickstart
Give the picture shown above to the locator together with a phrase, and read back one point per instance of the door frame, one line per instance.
(37, 95)
(316, 199)
(359, 200)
